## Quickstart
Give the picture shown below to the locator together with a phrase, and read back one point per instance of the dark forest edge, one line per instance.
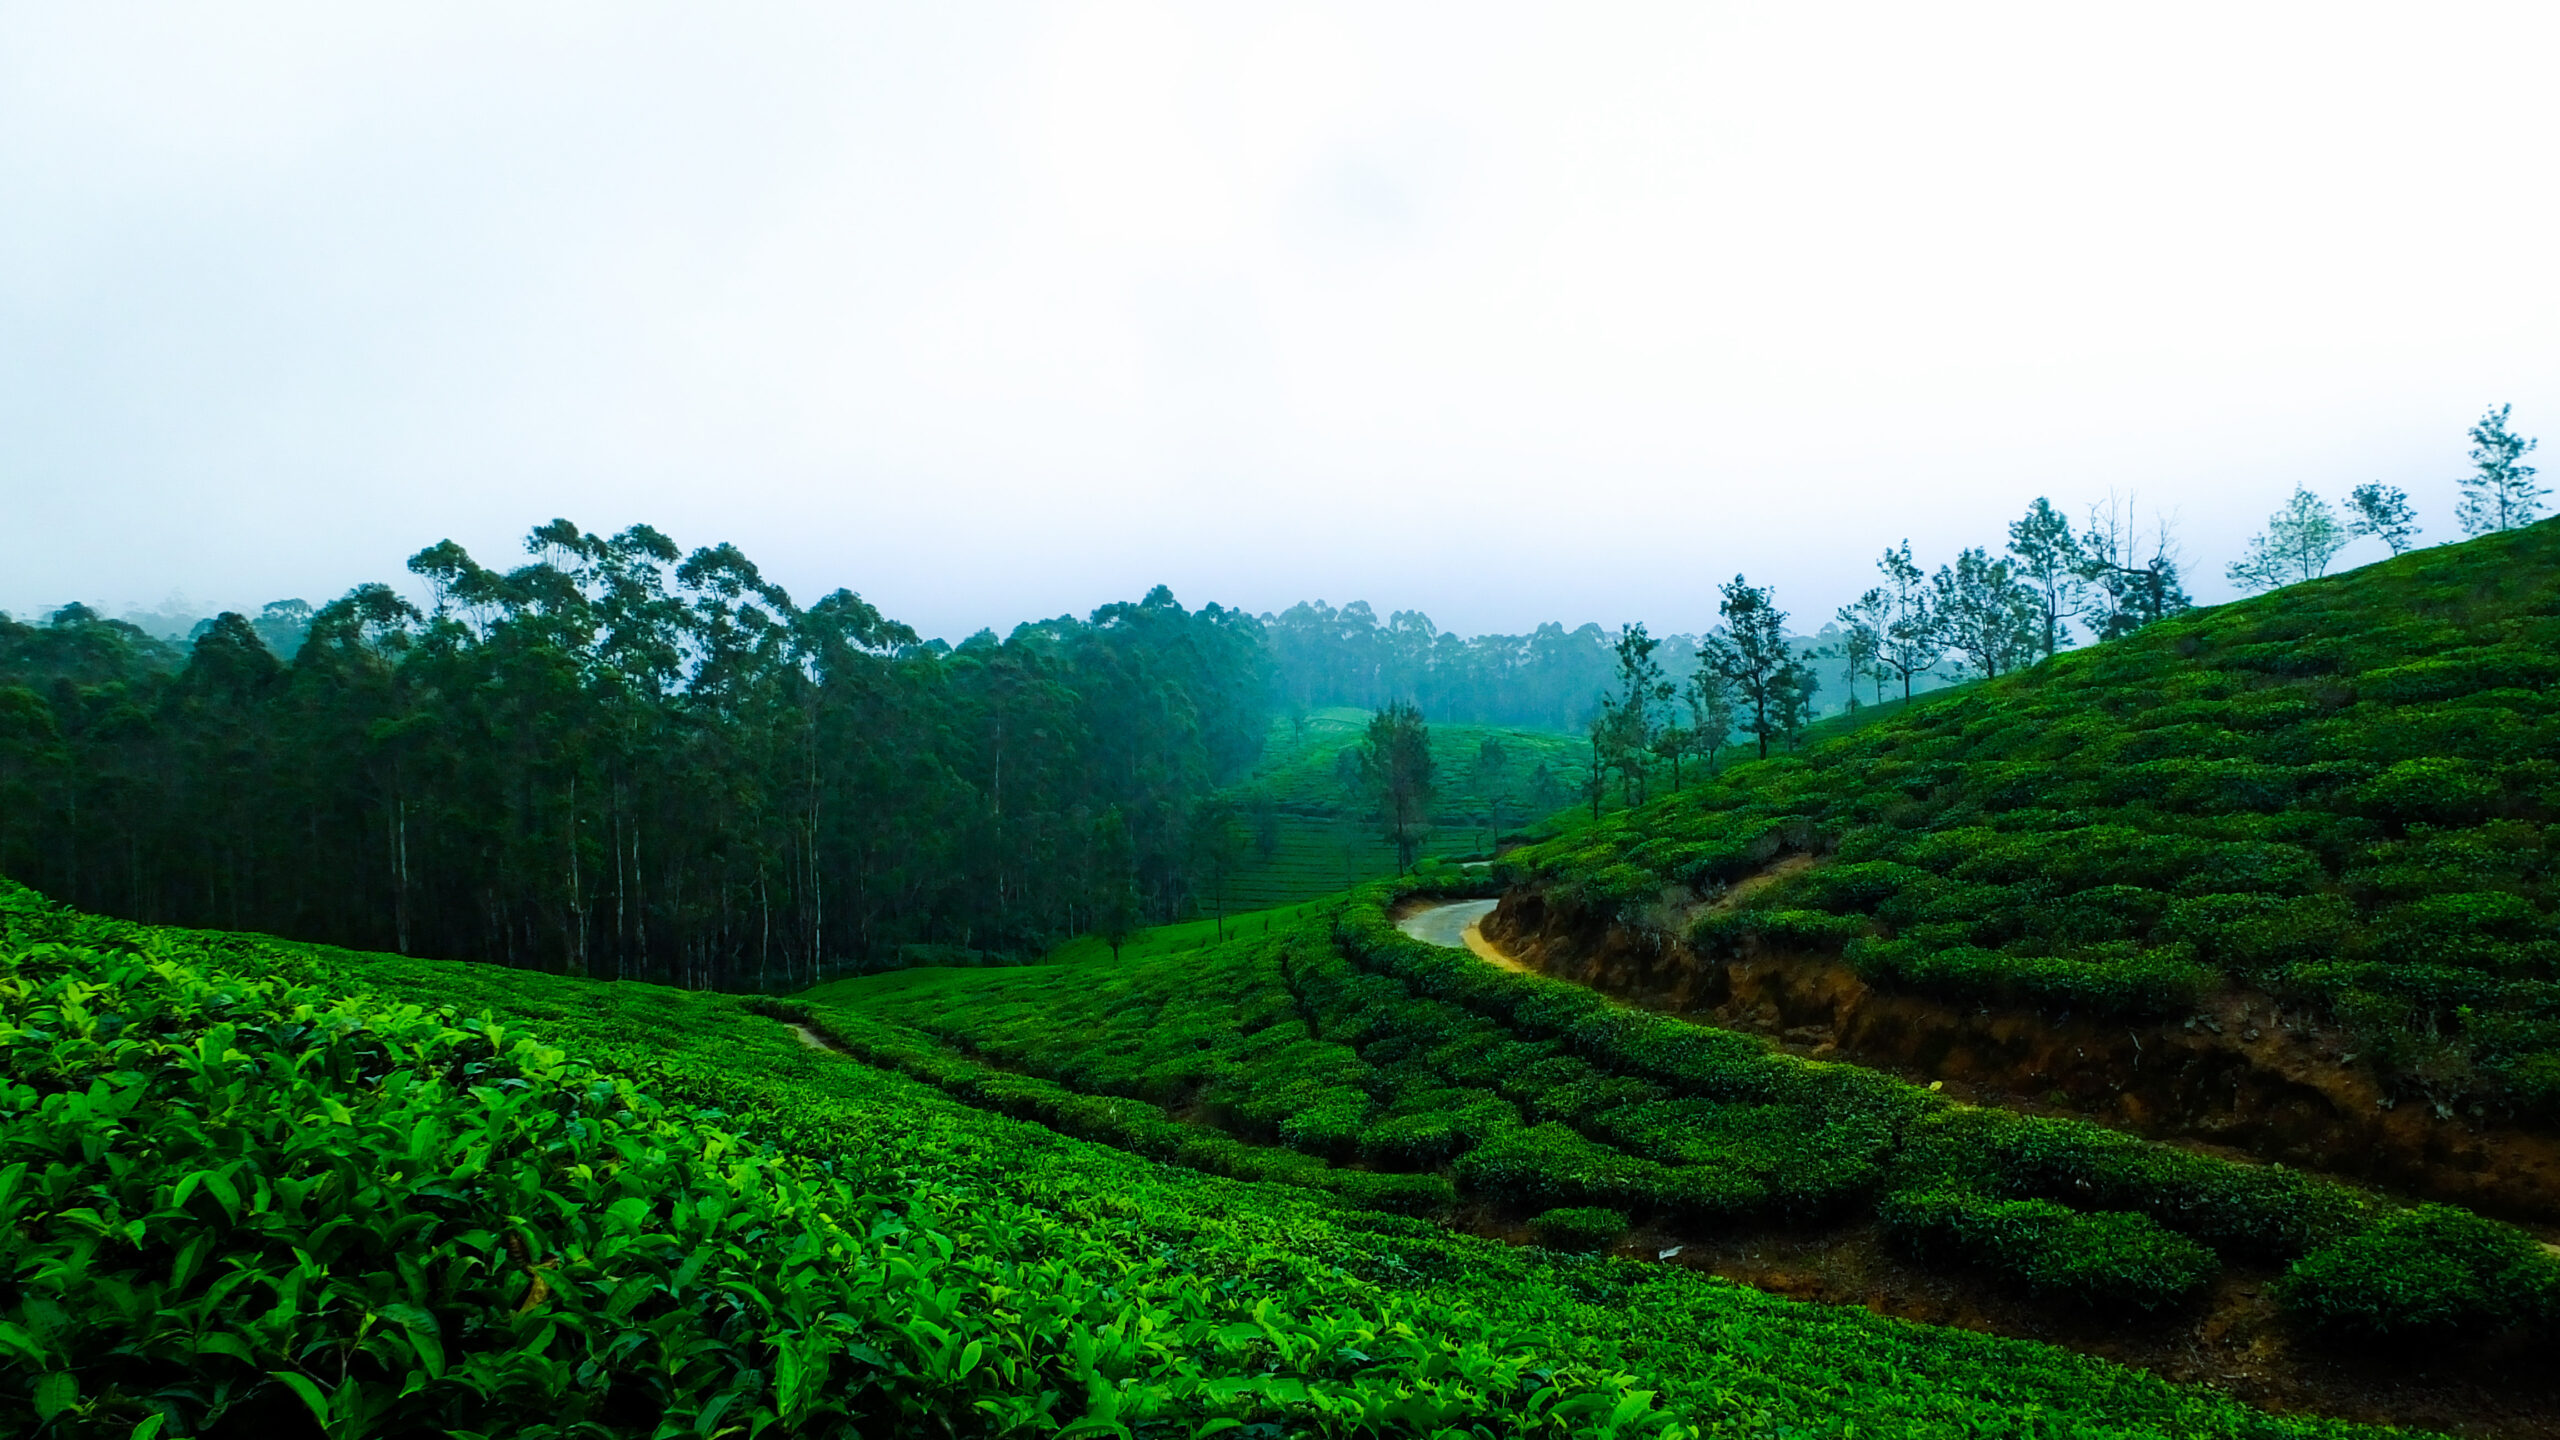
(624, 761)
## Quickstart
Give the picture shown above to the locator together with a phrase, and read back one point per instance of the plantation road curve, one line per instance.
(1457, 924)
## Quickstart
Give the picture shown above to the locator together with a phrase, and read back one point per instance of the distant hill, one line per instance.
(1314, 834)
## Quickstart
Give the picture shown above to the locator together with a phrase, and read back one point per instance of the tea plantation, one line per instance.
(2341, 794)
(1344, 1056)
(1321, 836)
(259, 1188)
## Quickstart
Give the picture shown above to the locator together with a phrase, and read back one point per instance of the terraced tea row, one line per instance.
(1354, 1045)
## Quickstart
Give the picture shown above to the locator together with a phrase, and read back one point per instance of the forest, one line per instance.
(621, 759)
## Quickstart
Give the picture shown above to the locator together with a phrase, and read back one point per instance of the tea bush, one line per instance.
(2429, 1274)
(1583, 1228)
(2102, 1258)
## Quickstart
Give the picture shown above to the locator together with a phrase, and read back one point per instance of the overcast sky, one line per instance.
(992, 312)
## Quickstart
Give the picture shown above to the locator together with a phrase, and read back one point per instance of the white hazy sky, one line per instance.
(1505, 313)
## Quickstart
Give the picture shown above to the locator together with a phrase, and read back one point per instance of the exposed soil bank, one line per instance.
(2243, 1074)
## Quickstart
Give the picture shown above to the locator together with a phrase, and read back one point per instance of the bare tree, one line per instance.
(2133, 580)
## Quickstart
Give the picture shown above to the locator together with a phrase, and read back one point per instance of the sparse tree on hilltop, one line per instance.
(2299, 542)
(1710, 712)
(1643, 695)
(2383, 512)
(1749, 651)
(1913, 636)
(1862, 626)
(2129, 588)
(2049, 564)
(2499, 493)
(1986, 615)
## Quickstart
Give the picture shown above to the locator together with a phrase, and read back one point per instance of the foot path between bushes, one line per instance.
(1459, 925)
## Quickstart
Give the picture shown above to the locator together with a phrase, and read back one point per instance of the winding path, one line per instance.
(1458, 924)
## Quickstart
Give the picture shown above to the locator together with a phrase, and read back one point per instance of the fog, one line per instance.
(991, 312)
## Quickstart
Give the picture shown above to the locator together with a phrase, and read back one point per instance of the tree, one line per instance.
(1913, 638)
(2382, 512)
(2299, 542)
(1492, 756)
(1545, 793)
(1115, 881)
(1396, 767)
(631, 760)
(1749, 652)
(1217, 841)
(2499, 493)
(1674, 742)
(1603, 729)
(1642, 692)
(2129, 588)
(2049, 565)
(1860, 649)
(1986, 615)
(1710, 712)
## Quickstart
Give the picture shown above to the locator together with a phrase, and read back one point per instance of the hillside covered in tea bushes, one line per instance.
(2339, 795)
(259, 1188)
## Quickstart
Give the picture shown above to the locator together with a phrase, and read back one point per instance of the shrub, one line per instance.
(1580, 1227)
(2431, 1273)
(2109, 1258)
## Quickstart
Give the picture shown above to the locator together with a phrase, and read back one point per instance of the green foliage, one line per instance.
(885, 1261)
(2341, 793)
(1324, 837)
(2432, 1273)
(1339, 1040)
(2103, 1259)
(624, 760)
(1578, 1228)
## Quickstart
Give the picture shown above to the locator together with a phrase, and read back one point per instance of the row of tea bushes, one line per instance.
(2061, 1206)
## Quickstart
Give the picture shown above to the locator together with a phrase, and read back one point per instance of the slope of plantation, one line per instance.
(260, 1187)
(2339, 796)
(1347, 1057)
(1326, 841)
(242, 1200)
